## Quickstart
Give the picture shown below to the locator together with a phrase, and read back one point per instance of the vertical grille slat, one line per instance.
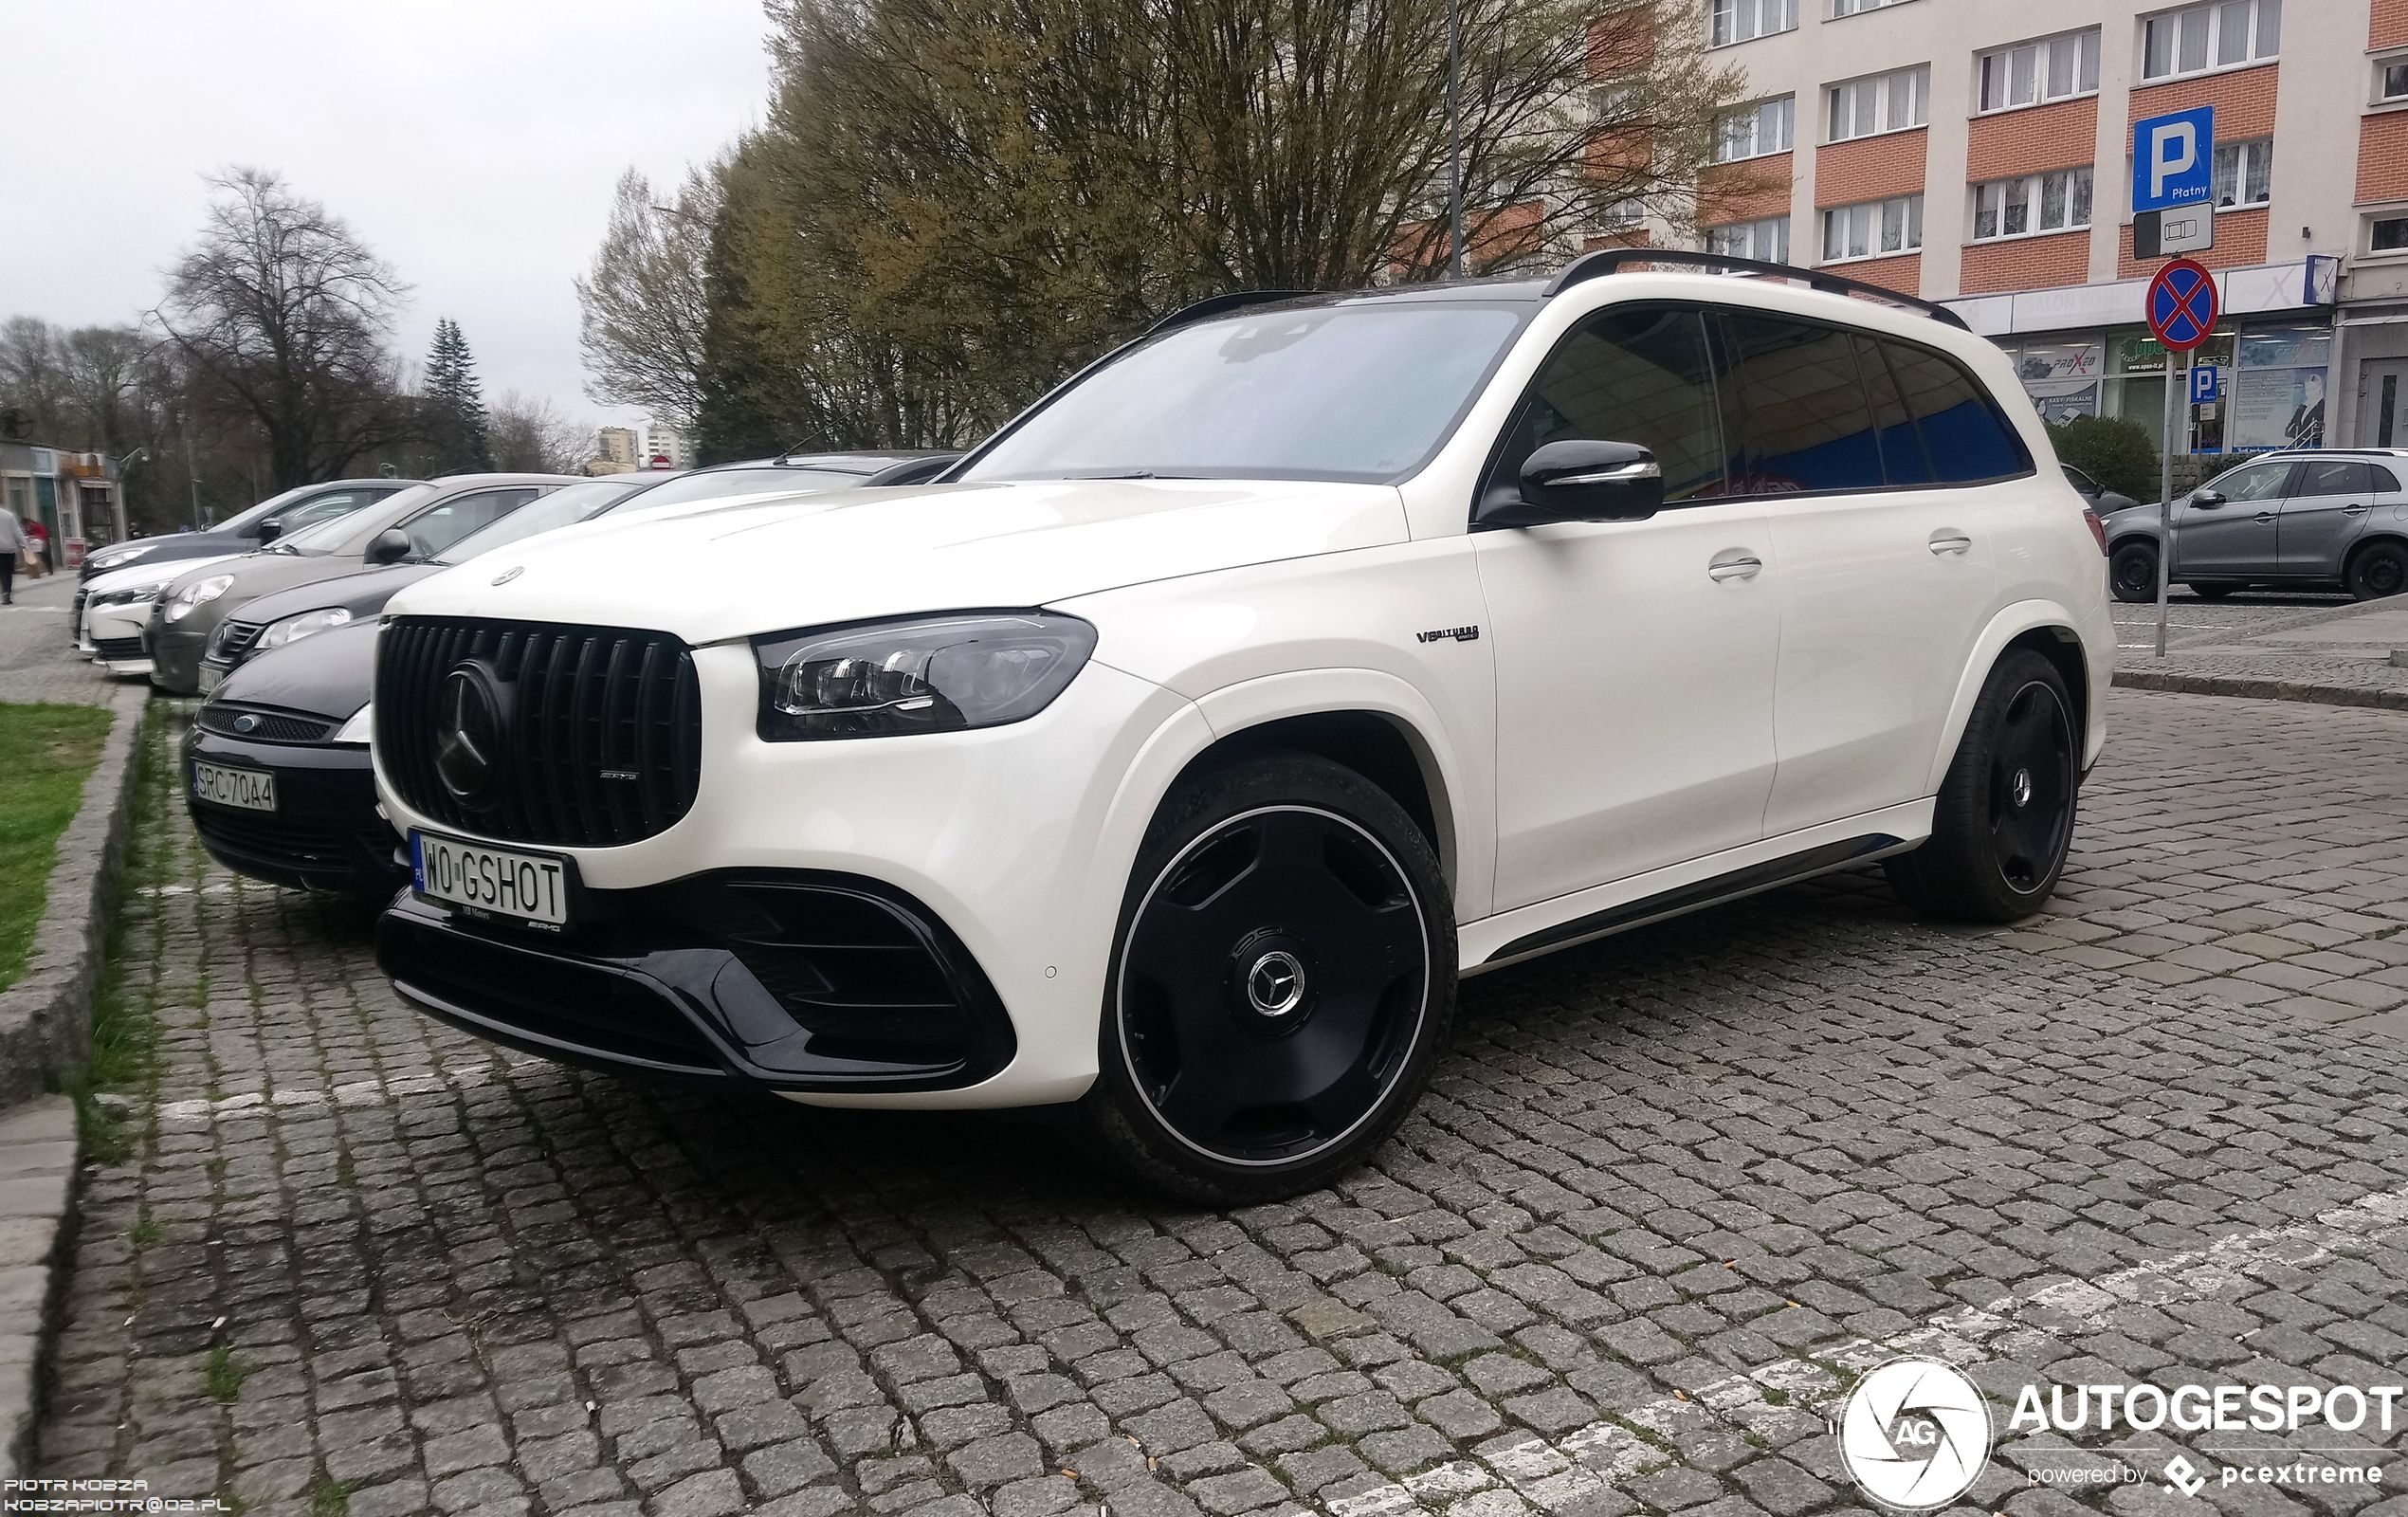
(587, 698)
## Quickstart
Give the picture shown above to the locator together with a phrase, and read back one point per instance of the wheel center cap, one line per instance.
(1276, 985)
(2019, 789)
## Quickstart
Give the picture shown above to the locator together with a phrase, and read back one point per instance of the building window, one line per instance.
(2032, 73)
(1739, 20)
(1613, 102)
(2244, 173)
(2388, 234)
(1754, 131)
(2038, 203)
(1854, 7)
(1881, 103)
(1766, 240)
(2221, 34)
(1873, 229)
(2391, 80)
(1621, 215)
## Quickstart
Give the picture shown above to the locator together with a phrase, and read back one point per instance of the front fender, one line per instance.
(2097, 645)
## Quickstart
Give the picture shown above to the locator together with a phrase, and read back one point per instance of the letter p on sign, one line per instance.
(2173, 151)
(2170, 161)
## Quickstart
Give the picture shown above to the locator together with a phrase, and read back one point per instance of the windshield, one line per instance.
(328, 535)
(274, 502)
(562, 507)
(1360, 392)
(712, 484)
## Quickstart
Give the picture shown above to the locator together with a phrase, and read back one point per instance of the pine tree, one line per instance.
(455, 415)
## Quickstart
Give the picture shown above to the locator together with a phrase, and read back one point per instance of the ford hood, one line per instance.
(808, 560)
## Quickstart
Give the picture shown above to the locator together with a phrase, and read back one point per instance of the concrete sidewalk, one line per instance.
(2335, 654)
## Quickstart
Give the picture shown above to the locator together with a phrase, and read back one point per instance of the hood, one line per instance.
(329, 674)
(751, 568)
(256, 573)
(143, 573)
(363, 593)
(175, 546)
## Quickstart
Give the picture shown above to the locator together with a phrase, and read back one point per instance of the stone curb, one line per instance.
(2262, 690)
(38, 1153)
(45, 1017)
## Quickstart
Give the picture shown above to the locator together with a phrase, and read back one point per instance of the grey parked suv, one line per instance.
(2331, 517)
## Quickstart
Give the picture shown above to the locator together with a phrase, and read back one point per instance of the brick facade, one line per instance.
(2244, 101)
(1745, 192)
(2383, 154)
(2388, 25)
(1872, 168)
(2241, 239)
(1901, 272)
(2025, 263)
(2061, 135)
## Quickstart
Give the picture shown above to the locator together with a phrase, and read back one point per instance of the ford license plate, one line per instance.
(531, 890)
(245, 789)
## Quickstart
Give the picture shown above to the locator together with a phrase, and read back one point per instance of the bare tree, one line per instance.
(288, 314)
(643, 302)
(529, 434)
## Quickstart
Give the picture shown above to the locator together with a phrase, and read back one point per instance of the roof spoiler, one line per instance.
(1613, 259)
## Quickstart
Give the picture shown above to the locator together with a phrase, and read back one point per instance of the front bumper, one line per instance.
(113, 636)
(176, 649)
(787, 980)
(324, 833)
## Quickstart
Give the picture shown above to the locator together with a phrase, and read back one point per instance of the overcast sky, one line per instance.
(473, 143)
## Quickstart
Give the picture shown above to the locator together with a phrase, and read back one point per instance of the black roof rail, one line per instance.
(1219, 304)
(1611, 261)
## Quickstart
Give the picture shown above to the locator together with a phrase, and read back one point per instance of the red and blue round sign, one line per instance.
(2182, 305)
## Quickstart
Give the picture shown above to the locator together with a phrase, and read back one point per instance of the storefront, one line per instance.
(71, 496)
(2272, 354)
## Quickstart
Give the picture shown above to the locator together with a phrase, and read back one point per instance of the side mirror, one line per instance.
(1578, 480)
(2206, 500)
(389, 547)
(271, 530)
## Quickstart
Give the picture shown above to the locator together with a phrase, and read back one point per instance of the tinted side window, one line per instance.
(1627, 375)
(2253, 482)
(1967, 439)
(2380, 478)
(1803, 422)
(2329, 476)
(430, 532)
(1903, 458)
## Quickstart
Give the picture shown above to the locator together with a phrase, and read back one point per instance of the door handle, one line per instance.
(1949, 540)
(2264, 518)
(2353, 510)
(1734, 566)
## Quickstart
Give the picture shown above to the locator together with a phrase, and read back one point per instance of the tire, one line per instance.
(1286, 931)
(2210, 591)
(2132, 571)
(2004, 816)
(2378, 570)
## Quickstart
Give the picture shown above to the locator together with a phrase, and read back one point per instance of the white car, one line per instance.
(113, 607)
(1177, 751)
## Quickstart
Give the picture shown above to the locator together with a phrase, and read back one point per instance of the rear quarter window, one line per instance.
(1968, 440)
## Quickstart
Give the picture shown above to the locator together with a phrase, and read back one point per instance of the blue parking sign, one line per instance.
(2173, 160)
(2207, 384)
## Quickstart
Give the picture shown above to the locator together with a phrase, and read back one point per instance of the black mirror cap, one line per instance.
(269, 530)
(2207, 498)
(389, 547)
(1576, 479)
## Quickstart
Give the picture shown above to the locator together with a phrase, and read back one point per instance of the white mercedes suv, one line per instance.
(1179, 750)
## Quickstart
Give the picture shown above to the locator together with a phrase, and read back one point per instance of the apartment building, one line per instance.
(1978, 152)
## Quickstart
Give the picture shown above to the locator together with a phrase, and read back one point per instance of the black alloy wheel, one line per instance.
(2378, 570)
(2132, 571)
(2002, 822)
(1284, 976)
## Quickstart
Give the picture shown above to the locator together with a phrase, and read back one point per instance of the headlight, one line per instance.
(192, 595)
(118, 559)
(126, 597)
(293, 629)
(356, 729)
(928, 674)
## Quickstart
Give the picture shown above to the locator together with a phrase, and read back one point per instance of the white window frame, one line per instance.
(2398, 214)
(1765, 239)
(2215, 18)
(2244, 150)
(1780, 112)
(1620, 215)
(1840, 8)
(2376, 93)
(2031, 190)
(2083, 45)
(1882, 89)
(1763, 18)
(1877, 216)
(1613, 100)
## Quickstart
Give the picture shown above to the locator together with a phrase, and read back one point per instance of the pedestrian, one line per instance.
(13, 542)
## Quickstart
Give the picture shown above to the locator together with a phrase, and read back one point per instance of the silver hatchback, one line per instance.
(2330, 519)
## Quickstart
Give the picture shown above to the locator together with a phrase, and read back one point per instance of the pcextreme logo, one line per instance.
(1915, 1434)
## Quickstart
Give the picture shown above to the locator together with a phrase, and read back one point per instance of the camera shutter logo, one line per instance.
(1915, 1434)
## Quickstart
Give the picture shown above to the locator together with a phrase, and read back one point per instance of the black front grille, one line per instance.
(603, 744)
(114, 648)
(288, 842)
(264, 725)
(233, 641)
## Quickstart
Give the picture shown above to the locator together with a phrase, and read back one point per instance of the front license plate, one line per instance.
(209, 678)
(247, 789)
(491, 882)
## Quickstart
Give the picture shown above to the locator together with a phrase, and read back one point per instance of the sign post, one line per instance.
(2182, 305)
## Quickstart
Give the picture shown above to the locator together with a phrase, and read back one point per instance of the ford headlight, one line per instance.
(356, 731)
(293, 629)
(193, 594)
(925, 674)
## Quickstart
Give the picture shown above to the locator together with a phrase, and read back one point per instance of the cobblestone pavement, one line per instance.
(1665, 1191)
(2314, 640)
